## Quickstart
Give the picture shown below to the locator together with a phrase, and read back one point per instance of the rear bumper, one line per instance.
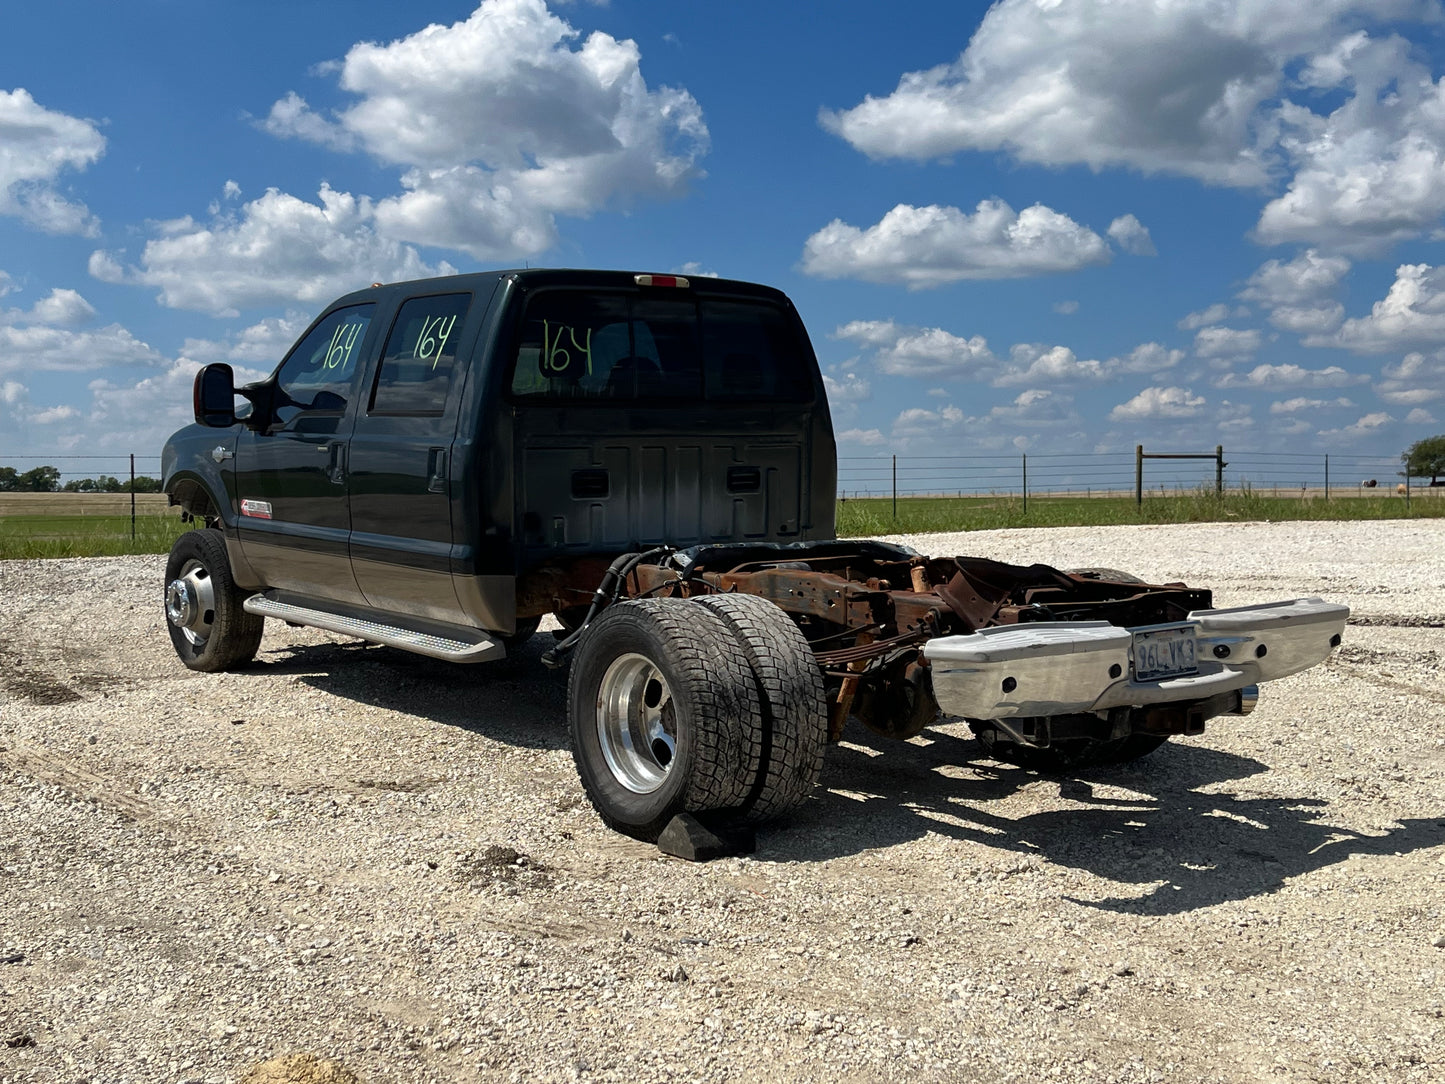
(1062, 668)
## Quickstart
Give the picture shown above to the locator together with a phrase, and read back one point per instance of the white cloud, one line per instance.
(1415, 378)
(1367, 426)
(923, 247)
(1299, 403)
(1132, 236)
(1034, 363)
(867, 437)
(849, 388)
(1221, 92)
(1290, 376)
(262, 343)
(1299, 292)
(37, 348)
(1066, 308)
(59, 308)
(924, 352)
(277, 249)
(1146, 358)
(36, 146)
(1372, 172)
(500, 125)
(1411, 314)
(1420, 416)
(7, 284)
(1226, 342)
(1160, 403)
(1215, 314)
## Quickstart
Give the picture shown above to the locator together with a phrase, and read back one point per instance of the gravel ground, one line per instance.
(370, 863)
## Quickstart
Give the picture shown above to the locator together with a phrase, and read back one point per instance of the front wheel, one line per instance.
(209, 629)
(664, 715)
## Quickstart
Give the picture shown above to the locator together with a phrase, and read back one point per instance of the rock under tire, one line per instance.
(792, 699)
(232, 636)
(707, 697)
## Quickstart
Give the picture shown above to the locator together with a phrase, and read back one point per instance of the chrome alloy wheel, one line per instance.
(191, 602)
(636, 723)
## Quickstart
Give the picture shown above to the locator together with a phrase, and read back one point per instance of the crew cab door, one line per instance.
(292, 475)
(401, 459)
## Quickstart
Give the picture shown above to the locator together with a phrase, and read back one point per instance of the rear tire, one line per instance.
(664, 715)
(791, 696)
(209, 629)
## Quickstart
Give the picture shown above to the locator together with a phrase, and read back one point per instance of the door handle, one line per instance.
(336, 464)
(436, 471)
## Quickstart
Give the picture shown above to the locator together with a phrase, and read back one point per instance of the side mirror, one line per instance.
(214, 396)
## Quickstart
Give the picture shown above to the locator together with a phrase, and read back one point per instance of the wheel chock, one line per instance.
(703, 837)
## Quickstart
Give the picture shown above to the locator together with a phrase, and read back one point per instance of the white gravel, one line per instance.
(356, 854)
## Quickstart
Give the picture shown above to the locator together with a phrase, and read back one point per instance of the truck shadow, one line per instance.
(516, 700)
(1174, 848)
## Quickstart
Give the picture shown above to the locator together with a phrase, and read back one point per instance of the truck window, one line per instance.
(583, 345)
(420, 355)
(321, 371)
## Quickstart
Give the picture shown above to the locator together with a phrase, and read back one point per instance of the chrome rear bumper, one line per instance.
(1061, 668)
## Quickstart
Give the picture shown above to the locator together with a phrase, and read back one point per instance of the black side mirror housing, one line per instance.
(214, 396)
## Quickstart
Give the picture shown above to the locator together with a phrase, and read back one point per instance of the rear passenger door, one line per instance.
(401, 459)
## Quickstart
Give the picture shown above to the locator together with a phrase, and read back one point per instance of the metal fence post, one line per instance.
(132, 496)
(1026, 483)
(1219, 470)
(1139, 475)
(1327, 476)
(895, 487)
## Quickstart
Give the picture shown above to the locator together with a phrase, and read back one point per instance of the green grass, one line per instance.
(867, 516)
(83, 533)
(24, 536)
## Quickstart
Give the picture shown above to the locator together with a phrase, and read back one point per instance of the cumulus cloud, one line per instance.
(41, 348)
(1223, 93)
(1290, 376)
(1415, 378)
(1411, 314)
(37, 145)
(923, 352)
(59, 308)
(1420, 416)
(923, 247)
(869, 438)
(1298, 292)
(501, 122)
(1226, 343)
(262, 343)
(1300, 403)
(1160, 403)
(1132, 236)
(1066, 308)
(900, 350)
(1367, 426)
(847, 388)
(275, 249)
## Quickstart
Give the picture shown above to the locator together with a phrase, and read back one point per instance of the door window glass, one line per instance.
(420, 356)
(321, 372)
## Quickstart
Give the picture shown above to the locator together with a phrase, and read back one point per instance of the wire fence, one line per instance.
(1075, 474)
(1134, 473)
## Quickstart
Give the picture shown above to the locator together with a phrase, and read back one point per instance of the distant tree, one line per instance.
(39, 480)
(108, 483)
(7, 479)
(1426, 457)
(144, 484)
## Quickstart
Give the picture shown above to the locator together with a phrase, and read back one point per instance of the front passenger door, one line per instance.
(291, 477)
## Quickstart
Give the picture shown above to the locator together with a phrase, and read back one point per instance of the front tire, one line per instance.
(208, 628)
(664, 715)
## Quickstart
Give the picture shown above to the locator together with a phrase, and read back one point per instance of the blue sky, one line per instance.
(1048, 226)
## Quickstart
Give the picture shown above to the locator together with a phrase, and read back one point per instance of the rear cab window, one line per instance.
(579, 345)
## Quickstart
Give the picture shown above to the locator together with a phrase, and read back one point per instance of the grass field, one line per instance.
(861, 517)
(99, 524)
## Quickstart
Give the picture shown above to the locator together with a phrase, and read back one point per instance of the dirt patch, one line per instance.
(300, 1069)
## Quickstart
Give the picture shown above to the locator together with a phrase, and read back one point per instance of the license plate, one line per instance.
(1164, 653)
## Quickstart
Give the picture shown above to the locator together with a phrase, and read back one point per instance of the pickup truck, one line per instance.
(437, 465)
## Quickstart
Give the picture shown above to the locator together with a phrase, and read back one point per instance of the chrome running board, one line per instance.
(454, 643)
